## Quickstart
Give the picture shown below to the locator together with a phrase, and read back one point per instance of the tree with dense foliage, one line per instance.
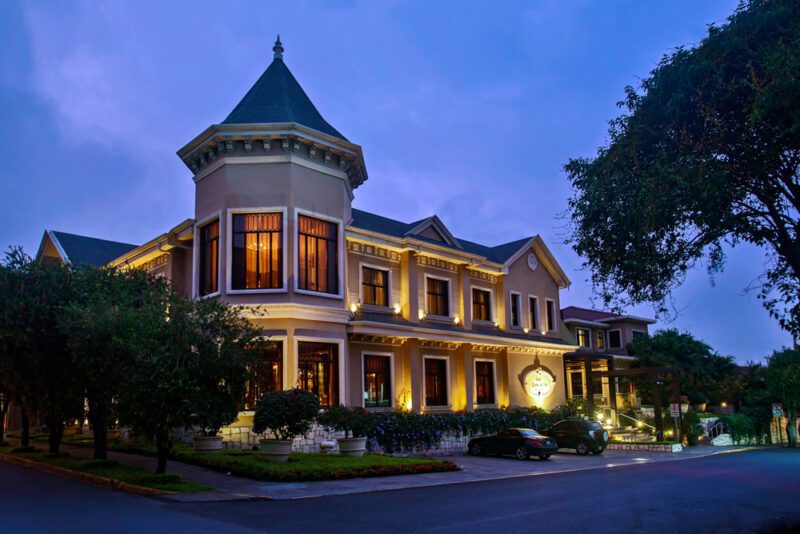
(783, 377)
(705, 375)
(706, 154)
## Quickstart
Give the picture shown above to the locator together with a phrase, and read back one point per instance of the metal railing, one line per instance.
(716, 429)
(637, 421)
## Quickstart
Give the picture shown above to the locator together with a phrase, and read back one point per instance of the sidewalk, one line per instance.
(474, 469)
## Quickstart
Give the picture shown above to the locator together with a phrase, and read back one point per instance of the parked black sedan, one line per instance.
(581, 435)
(520, 442)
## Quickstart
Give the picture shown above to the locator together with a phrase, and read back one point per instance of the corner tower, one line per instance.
(274, 183)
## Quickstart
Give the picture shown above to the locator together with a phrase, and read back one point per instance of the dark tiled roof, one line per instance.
(448, 327)
(277, 97)
(82, 250)
(586, 314)
(384, 225)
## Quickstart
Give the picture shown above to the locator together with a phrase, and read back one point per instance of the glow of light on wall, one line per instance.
(456, 320)
(421, 315)
(397, 308)
(354, 307)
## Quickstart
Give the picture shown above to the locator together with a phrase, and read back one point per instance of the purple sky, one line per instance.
(462, 110)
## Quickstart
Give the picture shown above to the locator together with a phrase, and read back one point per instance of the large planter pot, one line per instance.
(276, 450)
(207, 443)
(352, 446)
(692, 439)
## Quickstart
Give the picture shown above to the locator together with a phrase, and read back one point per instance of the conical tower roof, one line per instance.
(278, 98)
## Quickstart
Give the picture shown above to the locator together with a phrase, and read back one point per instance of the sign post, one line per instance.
(675, 412)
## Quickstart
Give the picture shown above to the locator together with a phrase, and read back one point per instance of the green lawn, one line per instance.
(300, 467)
(111, 469)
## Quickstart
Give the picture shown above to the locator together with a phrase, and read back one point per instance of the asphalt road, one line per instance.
(744, 492)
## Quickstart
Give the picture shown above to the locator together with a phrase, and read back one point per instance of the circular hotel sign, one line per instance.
(538, 383)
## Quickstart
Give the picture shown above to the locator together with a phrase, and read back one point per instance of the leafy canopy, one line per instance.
(705, 154)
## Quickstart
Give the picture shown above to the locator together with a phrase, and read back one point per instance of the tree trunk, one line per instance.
(25, 438)
(3, 411)
(99, 420)
(162, 447)
(791, 426)
(56, 429)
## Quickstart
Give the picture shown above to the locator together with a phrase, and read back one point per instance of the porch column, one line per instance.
(466, 379)
(413, 360)
(612, 387)
(504, 395)
(589, 377)
(409, 293)
(465, 297)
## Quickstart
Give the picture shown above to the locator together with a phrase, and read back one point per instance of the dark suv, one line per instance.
(581, 435)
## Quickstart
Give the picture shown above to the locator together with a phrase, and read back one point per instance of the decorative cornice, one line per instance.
(294, 311)
(373, 251)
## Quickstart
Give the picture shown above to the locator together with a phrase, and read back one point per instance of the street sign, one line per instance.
(777, 409)
(675, 409)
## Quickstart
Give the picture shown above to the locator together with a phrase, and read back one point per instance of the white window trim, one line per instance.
(196, 256)
(342, 361)
(449, 296)
(449, 405)
(475, 383)
(588, 336)
(555, 316)
(621, 339)
(339, 248)
(229, 250)
(390, 355)
(492, 314)
(537, 315)
(511, 310)
(388, 271)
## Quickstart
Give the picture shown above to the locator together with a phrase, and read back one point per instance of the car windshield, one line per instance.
(530, 434)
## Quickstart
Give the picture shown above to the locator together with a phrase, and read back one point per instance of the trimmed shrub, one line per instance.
(354, 422)
(287, 414)
(740, 426)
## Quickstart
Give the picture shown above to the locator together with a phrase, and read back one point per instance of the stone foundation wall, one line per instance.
(644, 447)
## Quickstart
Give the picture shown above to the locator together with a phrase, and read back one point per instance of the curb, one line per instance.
(112, 483)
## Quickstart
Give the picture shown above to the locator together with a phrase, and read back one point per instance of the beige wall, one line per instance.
(400, 381)
(537, 283)
(517, 396)
(354, 262)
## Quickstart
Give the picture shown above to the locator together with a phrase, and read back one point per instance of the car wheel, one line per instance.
(598, 451)
(475, 449)
(521, 453)
(582, 448)
(544, 456)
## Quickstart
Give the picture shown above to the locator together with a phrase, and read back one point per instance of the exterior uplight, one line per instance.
(456, 320)
(525, 330)
(354, 307)
(421, 315)
(397, 308)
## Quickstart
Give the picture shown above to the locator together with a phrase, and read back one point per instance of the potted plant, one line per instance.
(207, 440)
(354, 422)
(286, 415)
(692, 428)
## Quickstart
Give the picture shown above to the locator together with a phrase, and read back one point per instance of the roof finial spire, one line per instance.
(278, 48)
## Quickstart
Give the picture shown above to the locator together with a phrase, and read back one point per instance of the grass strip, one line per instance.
(111, 469)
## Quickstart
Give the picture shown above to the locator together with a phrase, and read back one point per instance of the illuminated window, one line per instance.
(600, 340)
(318, 371)
(438, 293)
(257, 251)
(317, 255)
(533, 308)
(377, 381)
(481, 305)
(435, 382)
(269, 375)
(576, 383)
(209, 258)
(484, 382)
(374, 286)
(516, 312)
(583, 337)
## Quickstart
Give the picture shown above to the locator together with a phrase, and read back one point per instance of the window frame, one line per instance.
(196, 257)
(229, 249)
(284, 372)
(292, 373)
(339, 251)
(548, 303)
(511, 324)
(475, 382)
(449, 404)
(200, 264)
(534, 320)
(634, 331)
(492, 314)
(600, 335)
(621, 340)
(390, 355)
(588, 336)
(388, 271)
(449, 296)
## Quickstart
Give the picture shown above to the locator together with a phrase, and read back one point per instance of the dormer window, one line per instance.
(257, 251)
(317, 255)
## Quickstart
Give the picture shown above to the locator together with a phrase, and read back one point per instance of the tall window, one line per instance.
(484, 382)
(435, 382)
(257, 251)
(318, 370)
(268, 373)
(515, 310)
(601, 340)
(209, 258)
(481, 305)
(583, 337)
(533, 309)
(551, 316)
(438, 297)
(317, 255)
(377, 381)
(374, 286)
(614, 339)
(576, 383)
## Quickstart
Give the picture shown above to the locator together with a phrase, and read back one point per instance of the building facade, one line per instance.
(361, 309)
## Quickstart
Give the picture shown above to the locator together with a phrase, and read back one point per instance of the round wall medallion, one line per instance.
(533, 263)
(538, 383)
